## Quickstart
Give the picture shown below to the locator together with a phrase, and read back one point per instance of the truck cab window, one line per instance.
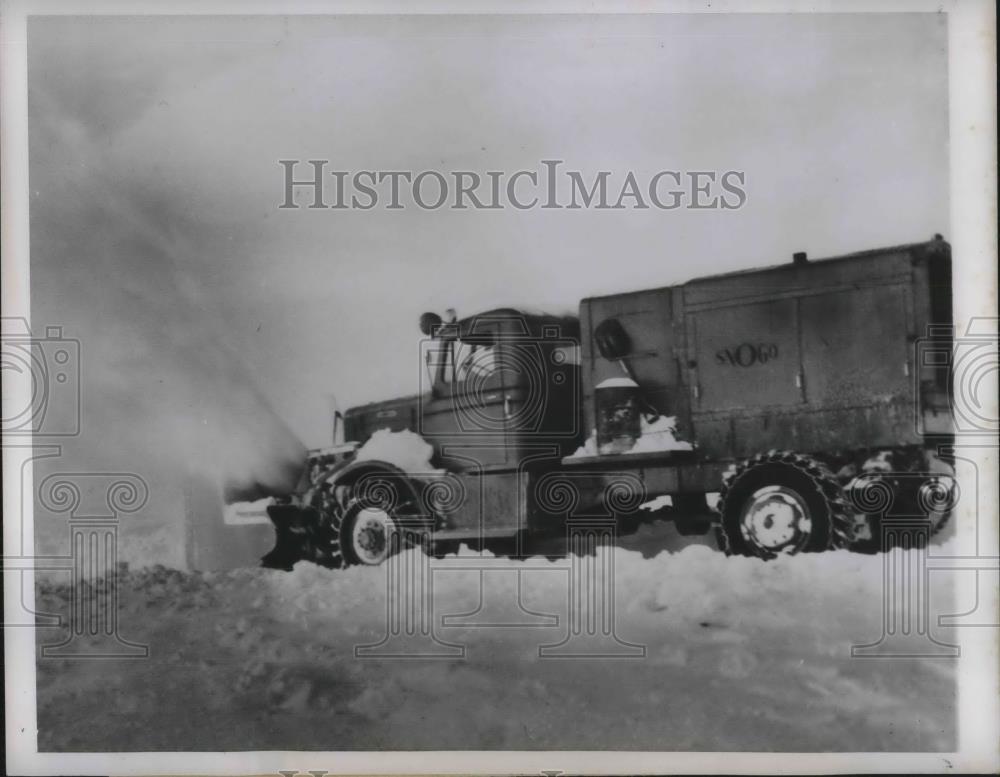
(468, 359)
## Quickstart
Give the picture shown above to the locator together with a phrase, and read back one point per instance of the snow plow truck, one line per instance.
(796, 393)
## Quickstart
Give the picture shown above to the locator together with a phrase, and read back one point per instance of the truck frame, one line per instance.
(803, 389)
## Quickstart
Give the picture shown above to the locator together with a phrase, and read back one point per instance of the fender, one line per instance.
(376, 471)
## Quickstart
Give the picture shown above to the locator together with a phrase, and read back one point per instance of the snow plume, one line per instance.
(124, 269)
(158, 375)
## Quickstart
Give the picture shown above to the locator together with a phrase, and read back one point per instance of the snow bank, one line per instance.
(407, 450)
(740, 654)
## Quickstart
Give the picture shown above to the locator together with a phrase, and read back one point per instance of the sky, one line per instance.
(214, 325)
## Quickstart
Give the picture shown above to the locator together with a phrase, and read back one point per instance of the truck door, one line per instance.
(856, 348)
(465, 406)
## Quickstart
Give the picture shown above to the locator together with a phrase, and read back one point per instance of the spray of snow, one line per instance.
(405, 449)
(167, 387)
(247, 513)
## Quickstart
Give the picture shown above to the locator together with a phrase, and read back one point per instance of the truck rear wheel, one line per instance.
(782, 503)
(921, 485)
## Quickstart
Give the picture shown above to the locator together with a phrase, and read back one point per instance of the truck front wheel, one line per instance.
(369, 535)
(782, 503)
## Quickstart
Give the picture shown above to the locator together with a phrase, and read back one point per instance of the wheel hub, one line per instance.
(372, 529)
(776, 519)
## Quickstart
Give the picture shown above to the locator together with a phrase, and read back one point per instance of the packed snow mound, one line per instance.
(407, 450)
(662, 502)
(658, 503)
(589, 448)
(656, 435)
(660, 435)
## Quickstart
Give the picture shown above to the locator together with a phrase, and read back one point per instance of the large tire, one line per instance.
(327, 529)
(328, 551)
(344, 505)
(916, 485)
(782, 503)
(368, 535)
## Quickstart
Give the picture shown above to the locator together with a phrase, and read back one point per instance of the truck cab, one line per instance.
(494, 387)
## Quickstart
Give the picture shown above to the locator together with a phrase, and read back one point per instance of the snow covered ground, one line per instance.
(739, 655)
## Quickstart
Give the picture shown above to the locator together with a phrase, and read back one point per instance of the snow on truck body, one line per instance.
(776, 387)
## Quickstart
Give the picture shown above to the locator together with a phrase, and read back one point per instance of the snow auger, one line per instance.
(353, 513)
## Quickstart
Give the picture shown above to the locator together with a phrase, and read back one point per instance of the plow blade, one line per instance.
(299, 536)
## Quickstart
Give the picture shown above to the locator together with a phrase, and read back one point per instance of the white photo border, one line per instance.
(973, 166)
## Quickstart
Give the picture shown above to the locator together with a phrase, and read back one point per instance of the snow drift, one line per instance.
(740, 654)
